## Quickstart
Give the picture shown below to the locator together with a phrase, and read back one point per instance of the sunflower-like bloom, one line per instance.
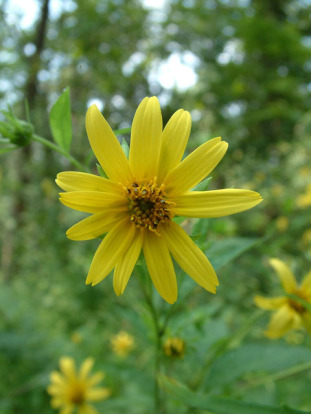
(289, 313)
(136, 204)
(174, 347)
(304, 200)
(122, 343)
(71, 390)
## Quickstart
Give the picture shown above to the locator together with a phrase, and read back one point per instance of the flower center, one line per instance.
(297, 306)
(149, 205)
(76, 394)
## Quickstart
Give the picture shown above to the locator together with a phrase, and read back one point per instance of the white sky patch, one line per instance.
(154, 4)
(26, 12)
(95, 101)
(178, 71)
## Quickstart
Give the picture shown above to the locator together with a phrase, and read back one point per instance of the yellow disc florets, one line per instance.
(77, 394)
(149, 205)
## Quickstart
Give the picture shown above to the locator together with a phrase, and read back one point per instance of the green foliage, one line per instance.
(60, 121)
(220, 405)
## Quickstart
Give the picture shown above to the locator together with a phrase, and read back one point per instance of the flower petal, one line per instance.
(106, 147)
(97, 394)
(269, 303)
(86, 368)
(125, 266)
(67, 366)
(189, 257)
(87, 409)
(57, 379)
(216, 203)
(285, 274)
(174, 141)
(146, 139)
(93, 201)
(160, 266)
(195, 167)
(95, 225)
(78, 181)
(114, 246)
(95, 378)
(306, 284)
(282, 321)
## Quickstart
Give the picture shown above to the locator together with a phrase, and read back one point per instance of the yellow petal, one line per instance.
(57, 378)
(194, 168)
(93, 201)
(97, 394)
(125, 266)
(189, 257)
(106, 147)
(95, 378)
(95, 225)
(146, 139)
(306, 284)
(160, 266)
(67, 366)
(174, 141)
(111, 249)
(87, 409)
(285, 274)
(67, 410)
(270, 303)
(86, 368)
(216, 203)
(282, 321)
(78, 181)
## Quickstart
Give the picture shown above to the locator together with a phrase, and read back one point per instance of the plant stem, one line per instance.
(278, 375)
(159, 332)
(56, 148)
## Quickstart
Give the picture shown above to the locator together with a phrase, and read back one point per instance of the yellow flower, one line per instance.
(122, 343)
(174, 347)
(282, 223)
(289, 313)
(305, 199)
(135, 206)
(70, 389)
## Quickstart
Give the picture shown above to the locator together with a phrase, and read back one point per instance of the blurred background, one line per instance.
(243, 70)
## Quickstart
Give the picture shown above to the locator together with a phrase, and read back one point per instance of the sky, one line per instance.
(178, 71)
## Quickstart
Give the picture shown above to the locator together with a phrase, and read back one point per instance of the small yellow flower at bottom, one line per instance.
(289, 313)
(70, 390)
(122, 343)
(174, 347)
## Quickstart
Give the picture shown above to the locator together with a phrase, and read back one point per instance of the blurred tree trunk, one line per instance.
(12, 244)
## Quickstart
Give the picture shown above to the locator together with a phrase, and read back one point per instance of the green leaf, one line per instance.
(222, 252)
(101, 172)
(258, 358)
(219, 405)
(203, 185)
(125, 148)
(60, 121)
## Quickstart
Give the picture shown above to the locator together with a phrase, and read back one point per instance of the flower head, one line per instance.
(289, 313)
(122, 343)
(304, 200)
(70, 389)
(174, 347)
(136, 204)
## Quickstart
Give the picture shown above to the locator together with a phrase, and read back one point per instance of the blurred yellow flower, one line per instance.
(72, 390)
(289, 313)
(122, 343)
(306, 237)
(282, 223)
(305, 199)
(136, 204)
(174, 347)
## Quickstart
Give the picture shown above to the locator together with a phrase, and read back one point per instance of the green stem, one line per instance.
(159, 332)
(223, 346)
(278, 375)
(56, 148)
